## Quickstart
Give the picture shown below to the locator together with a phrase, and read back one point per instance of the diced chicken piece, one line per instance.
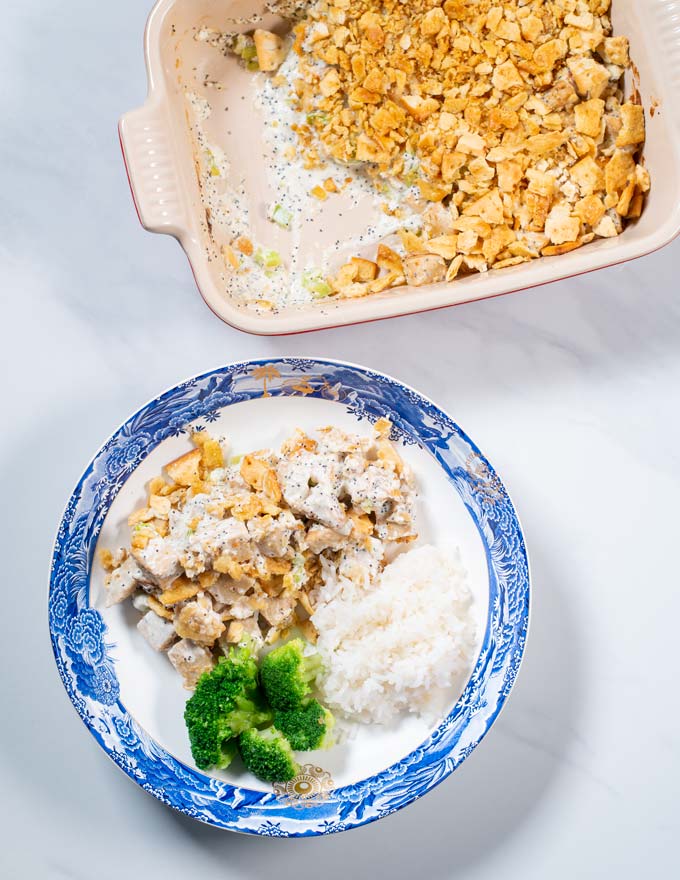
(606, 228)
(335, 441)
(159, 633)
(272, 535)
(122, 581)
(228, 590)
(376, 486)
(140, 602)
(421, 269)
(279, 611)
(199, 623)
(403, 511)
(191, 661)
(242, 607)
(439, 221)
(219, 536)
(298, 474)
(561, 95)
(391, 531)
(362, 565)
(159, 558)
(355, 464)
(310, 485)
(207, 539)
(321, 538)
(323, 506)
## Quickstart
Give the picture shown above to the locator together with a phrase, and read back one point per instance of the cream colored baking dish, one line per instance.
(158, 150)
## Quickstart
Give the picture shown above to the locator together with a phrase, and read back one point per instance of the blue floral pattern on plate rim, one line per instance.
(83, 654)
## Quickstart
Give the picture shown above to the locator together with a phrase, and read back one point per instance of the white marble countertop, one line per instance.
(572, 390)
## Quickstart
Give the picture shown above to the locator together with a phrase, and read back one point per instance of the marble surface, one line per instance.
(571, 390)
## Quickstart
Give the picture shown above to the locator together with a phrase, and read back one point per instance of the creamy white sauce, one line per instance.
(230, 208)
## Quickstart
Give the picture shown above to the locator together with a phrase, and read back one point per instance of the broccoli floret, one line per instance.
(224, 704)
(268, 755)
(286, 675)
(229, 750)
(306, 728)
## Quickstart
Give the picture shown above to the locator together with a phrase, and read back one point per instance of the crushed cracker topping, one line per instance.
(508, 118)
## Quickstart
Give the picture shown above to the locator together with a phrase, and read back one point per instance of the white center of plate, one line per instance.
(150, 688)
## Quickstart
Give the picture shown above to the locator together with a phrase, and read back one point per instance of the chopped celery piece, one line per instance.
(267, 259)
(244, 47)
(281, 216)
(317, 117)
(235, 459)
(411, 169)
(314, 282)
(212, 164)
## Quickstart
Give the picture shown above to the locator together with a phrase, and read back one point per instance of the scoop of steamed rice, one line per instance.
(388, 646)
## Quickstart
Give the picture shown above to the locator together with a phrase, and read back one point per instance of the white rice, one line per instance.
(389, 646)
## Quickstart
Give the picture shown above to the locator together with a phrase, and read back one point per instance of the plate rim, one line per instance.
(229, 369)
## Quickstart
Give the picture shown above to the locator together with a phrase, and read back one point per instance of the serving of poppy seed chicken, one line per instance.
(232, 549)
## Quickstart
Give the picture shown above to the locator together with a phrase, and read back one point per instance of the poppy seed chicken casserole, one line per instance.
(490, 133)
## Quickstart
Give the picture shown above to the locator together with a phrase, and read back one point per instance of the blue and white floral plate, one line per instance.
(131, 699)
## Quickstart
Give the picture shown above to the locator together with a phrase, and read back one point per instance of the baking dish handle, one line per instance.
(151, 169)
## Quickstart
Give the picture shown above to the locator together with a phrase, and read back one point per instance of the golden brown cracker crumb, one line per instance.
(511, 114)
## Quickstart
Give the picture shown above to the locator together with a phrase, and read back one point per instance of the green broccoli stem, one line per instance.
(243, 652)
(229, 751)
(311, 667)
(247, 715)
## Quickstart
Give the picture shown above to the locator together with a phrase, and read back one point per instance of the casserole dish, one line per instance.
(159, 152)
(132, 700)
